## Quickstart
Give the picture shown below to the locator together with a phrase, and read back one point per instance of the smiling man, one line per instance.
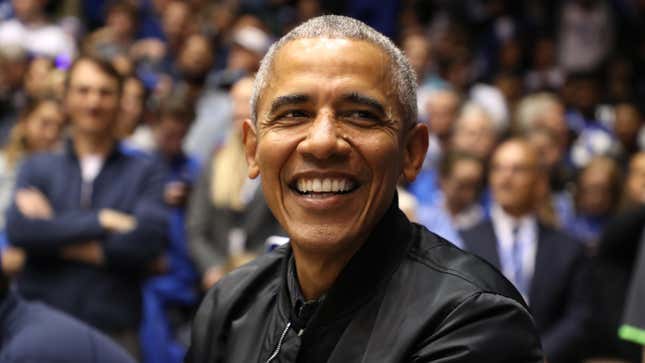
(333, 129)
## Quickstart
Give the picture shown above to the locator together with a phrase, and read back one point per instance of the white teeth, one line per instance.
(327, 185)
(317, 186)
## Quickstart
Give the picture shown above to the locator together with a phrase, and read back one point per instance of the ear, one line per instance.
(416, 145)
(250, 140)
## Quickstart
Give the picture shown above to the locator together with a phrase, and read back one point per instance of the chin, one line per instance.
(322, 240)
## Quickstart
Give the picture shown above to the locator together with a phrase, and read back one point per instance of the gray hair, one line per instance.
(341, 27)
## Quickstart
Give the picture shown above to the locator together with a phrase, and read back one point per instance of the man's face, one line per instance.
(330, 144)
(442, 109)
(92, 99)
(462, 186)
(475, 134)
(169, 134)
(514, 178)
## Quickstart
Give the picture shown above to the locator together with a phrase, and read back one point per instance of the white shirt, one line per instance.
(527, 237)
(90, 168)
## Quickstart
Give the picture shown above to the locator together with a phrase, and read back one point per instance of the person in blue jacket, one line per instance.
(34, 332)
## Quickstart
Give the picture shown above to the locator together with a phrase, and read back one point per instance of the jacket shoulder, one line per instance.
(233, 295)
(466, 271)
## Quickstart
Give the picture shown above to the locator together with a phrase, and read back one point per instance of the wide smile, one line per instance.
(323, 186)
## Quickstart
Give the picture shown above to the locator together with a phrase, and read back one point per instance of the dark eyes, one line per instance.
(356, 117)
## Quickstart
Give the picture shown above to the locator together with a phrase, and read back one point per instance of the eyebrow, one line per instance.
(360, 99)
(292, 99)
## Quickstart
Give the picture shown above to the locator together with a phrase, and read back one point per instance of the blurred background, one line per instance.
(566, 76)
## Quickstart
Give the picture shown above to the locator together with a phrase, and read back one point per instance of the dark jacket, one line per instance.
(35, 333)
(560, 293)
(108, 297)
(406, 296)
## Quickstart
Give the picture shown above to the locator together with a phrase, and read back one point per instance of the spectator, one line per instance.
(224, 194)
(443, 106)
(633, 324)
(34, 332)
(627, 125)
(119, 32)
(457, 208)
(132, 127)
(13, 66)
(614, 265)
(90, 218)
(38, 130)
(249, 43)
(544, 74)
(548, 268)
(586, 35)
(172, 293)
(31, 29)
(474, 132)
(597, 197)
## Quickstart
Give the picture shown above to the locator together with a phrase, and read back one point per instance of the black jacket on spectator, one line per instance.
(560, 292)
(612, 272)
(108, 297)
(33, 332)
(406, 296)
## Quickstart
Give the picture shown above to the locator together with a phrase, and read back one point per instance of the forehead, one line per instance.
(88, 73)
(515, 153)
(320, 66)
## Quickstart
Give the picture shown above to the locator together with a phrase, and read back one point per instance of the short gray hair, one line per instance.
(341, 27)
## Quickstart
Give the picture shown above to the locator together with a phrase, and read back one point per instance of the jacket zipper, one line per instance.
(279, 346)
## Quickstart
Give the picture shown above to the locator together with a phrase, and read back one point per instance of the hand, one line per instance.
(88, 252)
(211, 276)
(175, 193)
(33, 204)
(116, 222)
(13, 260)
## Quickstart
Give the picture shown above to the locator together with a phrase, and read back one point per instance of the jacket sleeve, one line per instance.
(485, 327)
(133, 250)
(204, 251)
(564, 341)
(41, 235)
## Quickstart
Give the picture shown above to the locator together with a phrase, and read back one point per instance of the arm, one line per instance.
(47, 233)
(565, 340)
(136, 248)
(485, 327)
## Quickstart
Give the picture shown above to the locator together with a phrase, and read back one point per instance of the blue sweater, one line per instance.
(109, 296)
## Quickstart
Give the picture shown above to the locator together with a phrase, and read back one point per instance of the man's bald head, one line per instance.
(515, 176)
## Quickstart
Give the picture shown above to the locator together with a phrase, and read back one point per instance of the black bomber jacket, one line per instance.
(406, 296)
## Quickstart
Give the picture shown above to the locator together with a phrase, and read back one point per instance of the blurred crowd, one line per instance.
(565, 79)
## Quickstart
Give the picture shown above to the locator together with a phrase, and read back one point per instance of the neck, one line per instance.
(318, 272)
(92, 145)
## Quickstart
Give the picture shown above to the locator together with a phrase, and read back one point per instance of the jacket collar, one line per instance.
(71, 152)
(366, 271)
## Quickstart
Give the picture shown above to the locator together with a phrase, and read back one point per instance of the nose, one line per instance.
(323, 139)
